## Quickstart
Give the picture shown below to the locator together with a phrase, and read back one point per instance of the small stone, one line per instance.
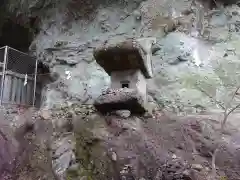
(96, 38)
(231, 49)
(186, 173)
(74, 167)
(54, 133)
(197, 167)
(45, 114)
(60, 43)
(137, 15)
(134, 32)
(89, 106)
(114, 156)
(155, 48)
(180, 146)
(182, 58)
(91, 111)
(122, 17)
(62, 163)
(235, 13)
(123, 113)
(66, 146)
(181, 43)
(84, 178)
(186, 12)
(172, 150)
(225, 55)
(174, 156)
(147, 114)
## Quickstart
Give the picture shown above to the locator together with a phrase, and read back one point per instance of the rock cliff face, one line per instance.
(159, 147)
(75, 142)
(196, 54)
(64, 34)
(67, 33)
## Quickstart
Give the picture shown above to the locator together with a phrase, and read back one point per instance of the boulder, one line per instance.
(65, 147)
(63, 162)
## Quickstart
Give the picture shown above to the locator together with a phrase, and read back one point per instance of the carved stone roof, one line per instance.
(122, 56)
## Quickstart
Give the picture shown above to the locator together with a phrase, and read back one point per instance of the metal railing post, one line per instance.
(35, 82)
(3, 72)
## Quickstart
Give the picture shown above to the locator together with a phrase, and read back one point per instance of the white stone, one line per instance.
(84, 178)
(123, 113)
(63, 162)
(63, 148)
(174, 156)
(197, 167)
(114, 156)
(45, 114)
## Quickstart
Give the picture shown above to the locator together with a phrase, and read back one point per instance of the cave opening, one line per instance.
(16, 35)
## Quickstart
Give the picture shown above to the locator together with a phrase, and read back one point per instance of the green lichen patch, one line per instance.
(91, 153)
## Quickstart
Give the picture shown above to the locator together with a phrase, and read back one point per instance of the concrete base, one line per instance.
(121, 99)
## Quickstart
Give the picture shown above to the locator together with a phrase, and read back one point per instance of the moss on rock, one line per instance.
(91, 153)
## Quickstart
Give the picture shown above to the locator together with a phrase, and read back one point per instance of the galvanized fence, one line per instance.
(18, 75)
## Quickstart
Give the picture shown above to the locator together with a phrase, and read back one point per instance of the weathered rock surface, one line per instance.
(67, 38)
(25, 148)
(163, 148)
(146, 148)
(69, 47)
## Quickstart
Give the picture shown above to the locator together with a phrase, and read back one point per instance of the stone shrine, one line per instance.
(128, 64)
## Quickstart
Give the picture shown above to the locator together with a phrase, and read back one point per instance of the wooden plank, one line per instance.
(14, 89)
(24, 94)
(7, 89)
(38, 94)
(29, 92)
(19, 89)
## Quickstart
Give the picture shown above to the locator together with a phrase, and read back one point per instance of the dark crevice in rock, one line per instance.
(16, 36)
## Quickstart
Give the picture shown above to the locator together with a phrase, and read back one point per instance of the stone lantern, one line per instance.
(128, 64)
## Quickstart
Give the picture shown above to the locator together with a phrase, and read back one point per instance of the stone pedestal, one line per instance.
(121, 99)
